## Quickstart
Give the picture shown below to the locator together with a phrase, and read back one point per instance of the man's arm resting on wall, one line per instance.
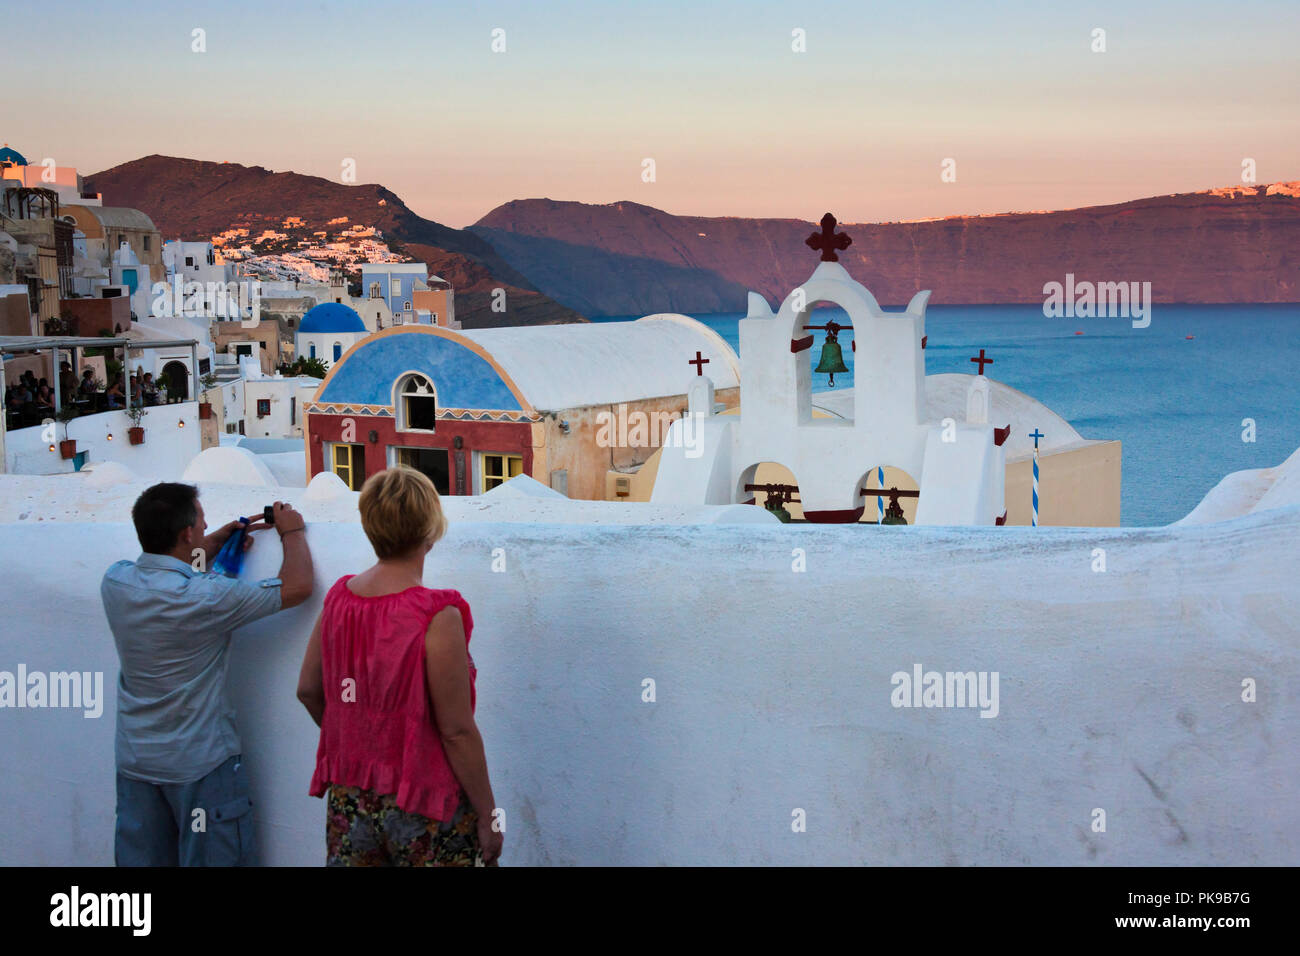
(297, 576)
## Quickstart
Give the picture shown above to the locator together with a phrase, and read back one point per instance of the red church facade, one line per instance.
(381, 442)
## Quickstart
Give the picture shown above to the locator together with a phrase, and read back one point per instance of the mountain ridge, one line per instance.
(1231, 244)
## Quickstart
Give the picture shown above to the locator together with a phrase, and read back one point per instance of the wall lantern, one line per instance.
(458, 442)
(374, 436)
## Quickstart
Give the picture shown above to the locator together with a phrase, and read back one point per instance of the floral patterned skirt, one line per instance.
(364, 828)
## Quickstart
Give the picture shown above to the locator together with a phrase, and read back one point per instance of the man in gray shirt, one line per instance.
(182, 790)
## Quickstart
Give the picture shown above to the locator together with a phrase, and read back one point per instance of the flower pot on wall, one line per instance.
(205, 410)
(136, 435)
(68, 448)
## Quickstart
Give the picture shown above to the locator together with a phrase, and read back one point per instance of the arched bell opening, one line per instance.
(825, 339)
(771, 485)
(894, 509)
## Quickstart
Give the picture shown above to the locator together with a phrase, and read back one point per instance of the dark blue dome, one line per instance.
(332, 317)
(8, 155)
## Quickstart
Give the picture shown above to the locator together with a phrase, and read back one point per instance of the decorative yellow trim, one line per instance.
(446, 414)
(340, 408)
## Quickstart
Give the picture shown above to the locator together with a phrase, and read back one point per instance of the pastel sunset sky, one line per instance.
(738, 124)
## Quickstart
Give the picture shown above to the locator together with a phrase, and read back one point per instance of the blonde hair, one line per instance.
(400, 510)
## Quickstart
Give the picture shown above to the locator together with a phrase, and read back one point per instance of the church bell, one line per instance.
(832, 359)
(778, 509)
(894, 513)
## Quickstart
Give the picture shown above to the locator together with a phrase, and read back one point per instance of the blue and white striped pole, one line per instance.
(1035, 435)
(880, 500)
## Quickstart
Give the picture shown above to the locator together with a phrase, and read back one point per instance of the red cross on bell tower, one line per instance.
(982, 361)
(828, 240)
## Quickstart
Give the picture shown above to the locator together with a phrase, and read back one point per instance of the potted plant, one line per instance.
(136, 414)
(67, 447)
(205, 408)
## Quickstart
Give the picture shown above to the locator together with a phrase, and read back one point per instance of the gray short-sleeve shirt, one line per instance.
(172, 626)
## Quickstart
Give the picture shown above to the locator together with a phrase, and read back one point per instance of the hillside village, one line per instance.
(295, 251)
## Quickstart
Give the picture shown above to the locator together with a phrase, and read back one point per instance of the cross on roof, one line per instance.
(699, 362)
(982, 362)
(1035, 435)
(828, 240)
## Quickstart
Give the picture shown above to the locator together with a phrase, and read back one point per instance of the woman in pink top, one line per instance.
(389, 679)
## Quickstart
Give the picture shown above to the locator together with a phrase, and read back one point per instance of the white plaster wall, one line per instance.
(276, 424)
(325, 344)
(962, 478)
(288, 467)
(1118, 690)
(166, 450)
(233, 404)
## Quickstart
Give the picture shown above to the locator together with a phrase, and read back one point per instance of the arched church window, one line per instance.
(338, 350)
(417, 404)
(312, 353)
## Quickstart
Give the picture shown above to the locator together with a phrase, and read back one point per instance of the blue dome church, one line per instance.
(327, 331)
(11, 157)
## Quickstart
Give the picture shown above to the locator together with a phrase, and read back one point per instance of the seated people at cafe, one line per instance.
(149, 389)
(87, 387)
(44, 397)
(22, 404)
(115, 395)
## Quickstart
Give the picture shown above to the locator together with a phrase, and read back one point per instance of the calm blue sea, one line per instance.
(1176, 404)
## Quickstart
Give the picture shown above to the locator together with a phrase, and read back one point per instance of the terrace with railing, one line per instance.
(90, 412)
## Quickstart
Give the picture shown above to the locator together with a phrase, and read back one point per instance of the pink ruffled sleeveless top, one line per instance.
(386, 739)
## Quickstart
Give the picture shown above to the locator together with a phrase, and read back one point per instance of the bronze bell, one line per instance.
(894, 513)
(832, 359)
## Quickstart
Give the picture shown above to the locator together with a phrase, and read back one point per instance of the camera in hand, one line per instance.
(268, 514)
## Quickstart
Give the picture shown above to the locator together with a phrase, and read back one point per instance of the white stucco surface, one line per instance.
(581, 363)
(945, 397)
(1247, 492)
(327, 486)
(107, 498)
(289, 468)
(526, 486)
(229, 464)
(1119, 691)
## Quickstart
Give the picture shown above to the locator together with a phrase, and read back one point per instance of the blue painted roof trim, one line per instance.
(463, 378)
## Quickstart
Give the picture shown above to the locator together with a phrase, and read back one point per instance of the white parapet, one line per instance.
(774, 689)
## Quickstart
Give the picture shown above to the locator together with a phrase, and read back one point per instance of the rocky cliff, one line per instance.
(1239, 244)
